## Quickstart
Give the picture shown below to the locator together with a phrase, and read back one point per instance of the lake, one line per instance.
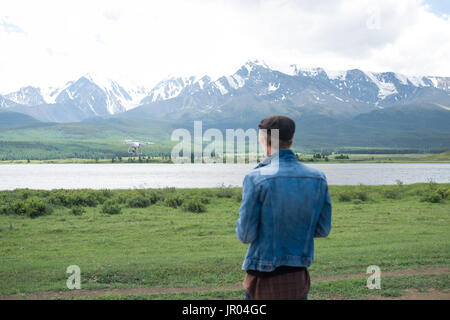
(121, 176)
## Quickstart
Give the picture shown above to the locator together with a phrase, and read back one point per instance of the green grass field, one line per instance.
(185, 238)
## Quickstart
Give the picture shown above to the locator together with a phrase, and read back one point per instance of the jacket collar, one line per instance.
(283, 155)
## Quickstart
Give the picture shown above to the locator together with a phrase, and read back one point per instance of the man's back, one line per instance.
(285, 205)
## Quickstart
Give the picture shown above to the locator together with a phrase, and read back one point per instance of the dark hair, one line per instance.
(285, 125)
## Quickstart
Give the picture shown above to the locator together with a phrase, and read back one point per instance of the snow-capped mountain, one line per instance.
(89, 96)
(167, 89)
(345, 86)
(50, 94)
(96, 95)
(380, 89)
(254, 88)
(28, 96)
(6, 103)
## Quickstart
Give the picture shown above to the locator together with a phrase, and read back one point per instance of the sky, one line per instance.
(49, 42)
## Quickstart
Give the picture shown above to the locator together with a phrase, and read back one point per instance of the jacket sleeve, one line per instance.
(323, 227)
(249, 212)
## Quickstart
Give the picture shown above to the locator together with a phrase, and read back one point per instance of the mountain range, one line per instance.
(352, 108)
(252, 92)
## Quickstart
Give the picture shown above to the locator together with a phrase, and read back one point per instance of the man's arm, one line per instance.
(324, 223)
(247, 224)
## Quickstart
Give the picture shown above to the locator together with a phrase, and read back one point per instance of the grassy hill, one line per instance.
(14, 119)
(99, 139)
(418, 128)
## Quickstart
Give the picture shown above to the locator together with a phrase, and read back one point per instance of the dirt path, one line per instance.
(411, 294)
(433, 294)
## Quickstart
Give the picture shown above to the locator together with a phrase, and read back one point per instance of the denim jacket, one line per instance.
(285, 204)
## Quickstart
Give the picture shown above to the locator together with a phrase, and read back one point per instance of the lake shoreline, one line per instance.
(304, 158)
(132, 176)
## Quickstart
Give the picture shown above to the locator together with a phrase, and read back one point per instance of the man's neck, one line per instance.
(269, 151)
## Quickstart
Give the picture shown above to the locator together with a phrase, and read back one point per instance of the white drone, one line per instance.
(134, 147)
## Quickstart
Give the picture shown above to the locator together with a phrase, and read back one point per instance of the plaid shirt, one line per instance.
(287, 286)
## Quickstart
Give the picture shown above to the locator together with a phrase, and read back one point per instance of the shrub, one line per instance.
(432, 197)
(173, 201)
(444, 193)
(361, 194)
(120, 198)
(392, 194)
(204, 200)
(18, 207)
(194, 205)
(154, 197)
(71, 198)
(23, 193)
(225, 192)
(168, 190)
(139, 202)
(106, 193)
(432, 185)
(78, 211)
(208, 193)
(4, 209)
(436, 195)
(83, 199)
(162, 194)
(344, 196)
(111, 207)
(31, 207)
(35, 207)
(59, 198)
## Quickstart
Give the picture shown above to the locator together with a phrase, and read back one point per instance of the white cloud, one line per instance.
(144, 41)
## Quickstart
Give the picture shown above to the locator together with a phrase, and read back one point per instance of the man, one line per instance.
(285, 204)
